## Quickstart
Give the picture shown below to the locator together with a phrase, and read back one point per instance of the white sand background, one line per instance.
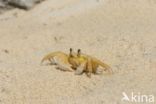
(122, 33)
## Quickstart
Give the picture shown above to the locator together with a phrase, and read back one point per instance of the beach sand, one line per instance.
(121, 33)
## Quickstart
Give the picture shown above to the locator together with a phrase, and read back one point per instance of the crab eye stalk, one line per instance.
(71, 52)
(78, 52)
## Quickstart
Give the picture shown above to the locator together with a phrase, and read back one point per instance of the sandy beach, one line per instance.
(121, 33)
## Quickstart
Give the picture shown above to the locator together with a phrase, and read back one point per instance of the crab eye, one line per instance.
(78, 50)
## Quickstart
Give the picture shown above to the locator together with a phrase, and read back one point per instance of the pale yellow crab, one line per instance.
(76, 61)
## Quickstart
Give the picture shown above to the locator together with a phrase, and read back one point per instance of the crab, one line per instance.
(76, 61)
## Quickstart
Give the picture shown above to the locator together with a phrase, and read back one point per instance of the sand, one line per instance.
(121, 33)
